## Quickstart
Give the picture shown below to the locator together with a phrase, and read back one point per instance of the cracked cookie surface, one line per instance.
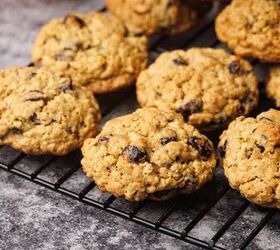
(95, 50)
(153, 16)
(273, 85)
(208, 87)
(41, 112)
(250, 153)
(251, 28)
(148, 154)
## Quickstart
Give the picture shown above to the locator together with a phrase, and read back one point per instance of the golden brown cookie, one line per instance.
(273, 85)
(153, 16)
(148, 154)
(208, 87)
(250, 152)
(44, 113)
(251, 28)
(95, 50)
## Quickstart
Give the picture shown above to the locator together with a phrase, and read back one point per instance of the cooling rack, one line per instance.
(212, 218)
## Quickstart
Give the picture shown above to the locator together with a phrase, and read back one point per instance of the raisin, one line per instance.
(103, 140)
(67, 86)
(265, 119)
(222, 149)
(234, 67)
(36, 95)
(32, 75)
(16, 130)
(69, 130)
(62, 57)
(240, 110)
(260, 147)
(166, 140)
(34, 119)
(135, 154)
(193, 106)
(201, 145)
(35, 98)
(180, 61)
(77, 19)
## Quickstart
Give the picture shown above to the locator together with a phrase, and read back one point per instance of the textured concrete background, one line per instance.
(32, 217)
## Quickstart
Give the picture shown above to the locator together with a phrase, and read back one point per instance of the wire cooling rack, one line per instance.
(216, 217)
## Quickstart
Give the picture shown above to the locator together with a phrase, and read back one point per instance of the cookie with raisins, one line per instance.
(149, 16)
(251, 28)
(250, 155)
(94, 49)
(148, 154)
(44, 113)
(273, 85)
(208, 87)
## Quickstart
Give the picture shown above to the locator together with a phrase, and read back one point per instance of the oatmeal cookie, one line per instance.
(94, 49)
(251, 28)
(250, 153)
(208, 87)
(148, 154)
(44, 113)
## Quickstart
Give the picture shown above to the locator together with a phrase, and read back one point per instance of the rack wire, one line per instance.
(182, 218)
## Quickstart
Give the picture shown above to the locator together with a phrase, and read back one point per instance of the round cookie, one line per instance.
(43, 113)
(250, 152)
(153, 16)
(273, 85)
(148, 154)
(251, 28)
(95, 50)
(207, 86)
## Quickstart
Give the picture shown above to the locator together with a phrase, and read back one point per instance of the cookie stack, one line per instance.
(159, 151)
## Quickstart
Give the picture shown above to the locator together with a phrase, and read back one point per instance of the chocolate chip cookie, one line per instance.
(150, 16)
(273, 85)
(95, 50)
(44, 113)
(148, 153)
(250, 152)
(208, 87)
(251, 28)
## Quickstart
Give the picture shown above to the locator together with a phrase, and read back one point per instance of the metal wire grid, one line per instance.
(10, 160)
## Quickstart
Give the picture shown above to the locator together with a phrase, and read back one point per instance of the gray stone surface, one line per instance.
(33, 217)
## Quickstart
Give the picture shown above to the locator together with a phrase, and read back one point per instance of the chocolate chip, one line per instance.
(193, 106)
(179, 61)
(201, 145)
(222, 149)
(16, 130)
(103, 140)
(67, 86)
(34, 119)
(166, 140)
(135, 154)
(77, 19)
(234, 67)
(260, 147)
